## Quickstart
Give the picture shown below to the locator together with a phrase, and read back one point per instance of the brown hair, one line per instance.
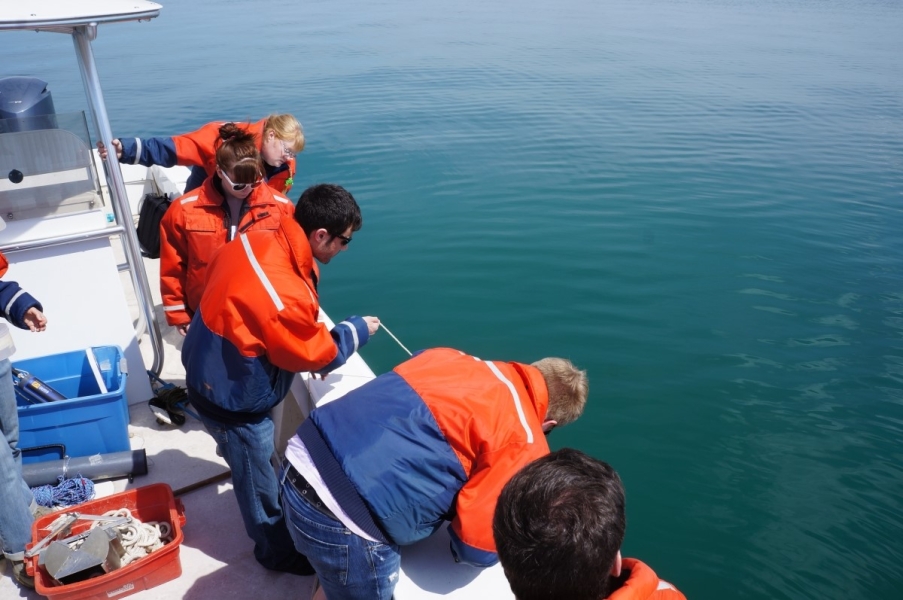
(568, 389)
(237, 152)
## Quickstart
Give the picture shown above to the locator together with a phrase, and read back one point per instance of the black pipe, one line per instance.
(97, 467)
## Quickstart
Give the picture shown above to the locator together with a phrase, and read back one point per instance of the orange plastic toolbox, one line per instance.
(153, 502)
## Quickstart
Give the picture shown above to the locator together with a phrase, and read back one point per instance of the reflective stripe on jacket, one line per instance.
(437, 439)
(257, 324)
(198, 148)
(193, 228)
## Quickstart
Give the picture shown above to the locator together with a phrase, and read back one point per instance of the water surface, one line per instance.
(697, 201)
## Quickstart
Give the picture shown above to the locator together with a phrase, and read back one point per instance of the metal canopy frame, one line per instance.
(80, 20)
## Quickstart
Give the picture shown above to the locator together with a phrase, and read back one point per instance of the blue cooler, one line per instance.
(93, 419)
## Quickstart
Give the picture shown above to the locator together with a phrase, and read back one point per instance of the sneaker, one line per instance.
(23, 578)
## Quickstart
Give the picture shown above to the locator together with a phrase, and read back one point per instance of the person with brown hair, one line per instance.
(559, 525)
(278, 138)
(200, 222)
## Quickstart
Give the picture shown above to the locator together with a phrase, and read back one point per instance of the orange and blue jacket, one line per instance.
(257, 326)
(198, 149)
(435, 439)
(194, 227)
(643, 584)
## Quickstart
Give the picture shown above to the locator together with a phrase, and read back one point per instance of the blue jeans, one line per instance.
(247, 449)
(349, 567)
(15, 496)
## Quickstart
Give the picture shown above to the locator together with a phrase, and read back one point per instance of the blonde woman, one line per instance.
(278, 137)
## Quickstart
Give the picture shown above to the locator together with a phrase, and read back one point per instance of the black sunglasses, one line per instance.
(345, 240)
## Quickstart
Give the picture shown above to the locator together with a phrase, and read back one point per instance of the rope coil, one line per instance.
(66, 493)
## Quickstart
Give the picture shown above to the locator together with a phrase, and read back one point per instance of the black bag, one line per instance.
(153, 207)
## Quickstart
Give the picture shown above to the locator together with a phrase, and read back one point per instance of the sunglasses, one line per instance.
(237, 187)
(345, 240)
(286, 151)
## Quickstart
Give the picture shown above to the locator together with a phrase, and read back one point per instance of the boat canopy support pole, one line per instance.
(82, 37)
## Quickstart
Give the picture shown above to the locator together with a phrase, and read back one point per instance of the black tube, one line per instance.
(100, 466)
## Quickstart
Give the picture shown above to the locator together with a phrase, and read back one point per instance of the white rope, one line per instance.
(138, 539)
(383, 325)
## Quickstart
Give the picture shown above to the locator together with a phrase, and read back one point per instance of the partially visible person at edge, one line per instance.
(17, 504)
(230, 202)
(433, 440)
(279, 138)
(559, 524)
(256, 327)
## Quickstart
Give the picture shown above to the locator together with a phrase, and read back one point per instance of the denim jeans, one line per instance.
(15, 496)
(349, 567)
(247, 449)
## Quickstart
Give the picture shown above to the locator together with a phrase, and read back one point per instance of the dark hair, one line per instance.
(237, 151)
(558, 526)
(330, 207)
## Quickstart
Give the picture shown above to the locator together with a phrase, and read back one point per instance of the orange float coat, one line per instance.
(643, 584)
(435, 439)
(194, 227)
(257, 326)
(198, 149)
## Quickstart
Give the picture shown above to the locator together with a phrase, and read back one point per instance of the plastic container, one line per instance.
(95, 417)
(153, 502)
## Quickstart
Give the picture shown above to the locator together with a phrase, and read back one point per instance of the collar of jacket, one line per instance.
(536, 386)
(298, 247)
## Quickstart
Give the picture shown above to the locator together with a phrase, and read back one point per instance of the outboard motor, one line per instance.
(25, 105)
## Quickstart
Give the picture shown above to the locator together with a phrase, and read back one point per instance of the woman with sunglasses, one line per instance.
(279, 139)
(200, 222)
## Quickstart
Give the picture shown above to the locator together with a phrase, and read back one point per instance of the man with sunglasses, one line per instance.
(255, 328)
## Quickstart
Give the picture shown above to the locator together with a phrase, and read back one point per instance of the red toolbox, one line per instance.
(153, 502)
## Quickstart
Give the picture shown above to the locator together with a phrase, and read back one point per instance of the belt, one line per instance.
(304, 489)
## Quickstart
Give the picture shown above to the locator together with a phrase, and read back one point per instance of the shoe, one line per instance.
(23, 578)
(41, 511)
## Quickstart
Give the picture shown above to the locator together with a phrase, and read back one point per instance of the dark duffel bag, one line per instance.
(153, 207)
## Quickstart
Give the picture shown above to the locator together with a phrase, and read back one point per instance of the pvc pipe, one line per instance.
(96, 467)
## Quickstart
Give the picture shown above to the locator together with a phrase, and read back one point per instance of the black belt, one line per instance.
(304, 489)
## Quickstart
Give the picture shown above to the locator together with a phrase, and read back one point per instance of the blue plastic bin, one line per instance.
(90, 421)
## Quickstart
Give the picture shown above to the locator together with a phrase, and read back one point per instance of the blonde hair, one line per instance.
(568, 389)
(288, 129)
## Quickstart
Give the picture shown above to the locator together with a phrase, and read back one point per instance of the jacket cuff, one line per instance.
(470, 555)
(18, 306)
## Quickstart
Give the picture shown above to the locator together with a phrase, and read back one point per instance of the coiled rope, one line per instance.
(138, 539)
(66, 493)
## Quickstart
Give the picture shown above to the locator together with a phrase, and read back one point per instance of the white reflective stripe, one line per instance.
(188, 199)
(12, 301)
(174, 307)
(353, 332)
(55, 178)
(260, 274)
(137, 151)
(311, 292)
(517, 404)
(664, 585)
(281, 199)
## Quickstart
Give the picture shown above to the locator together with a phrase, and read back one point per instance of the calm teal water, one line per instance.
(698, 201)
